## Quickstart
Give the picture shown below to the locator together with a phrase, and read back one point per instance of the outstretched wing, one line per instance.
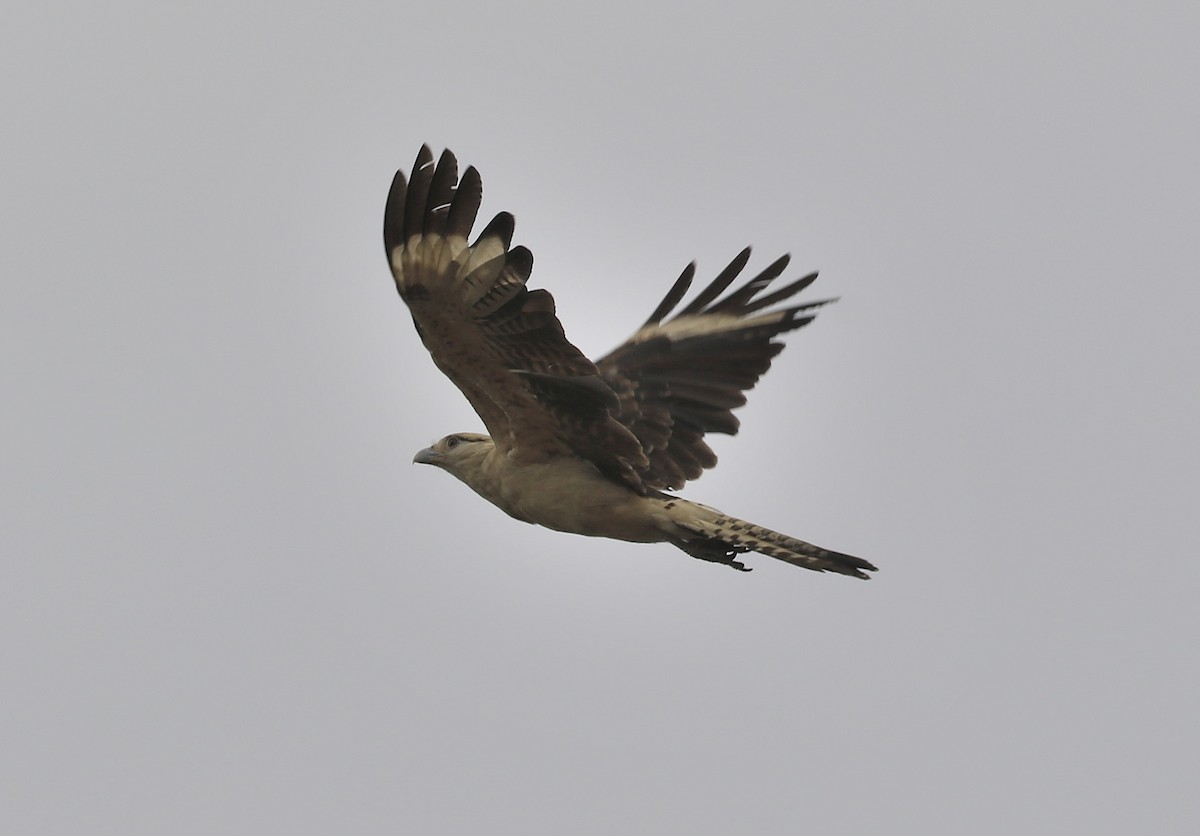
(500, 343)
(683, 377)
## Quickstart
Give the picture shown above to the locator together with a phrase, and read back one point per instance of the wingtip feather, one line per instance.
(677, 292)
(718, 285)
(393, 214)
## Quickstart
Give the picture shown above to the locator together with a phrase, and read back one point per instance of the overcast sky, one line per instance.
(229, 603)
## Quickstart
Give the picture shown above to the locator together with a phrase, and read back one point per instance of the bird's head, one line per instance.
(457, 454)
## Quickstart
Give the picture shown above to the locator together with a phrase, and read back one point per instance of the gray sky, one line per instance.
(229, 604)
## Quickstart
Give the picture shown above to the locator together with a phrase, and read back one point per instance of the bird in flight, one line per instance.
(579, 446)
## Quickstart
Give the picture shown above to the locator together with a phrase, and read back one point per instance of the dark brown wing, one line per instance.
(681, 378)
(500, 343)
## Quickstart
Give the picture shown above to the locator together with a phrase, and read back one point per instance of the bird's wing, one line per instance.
(500, 343)
(682, 377)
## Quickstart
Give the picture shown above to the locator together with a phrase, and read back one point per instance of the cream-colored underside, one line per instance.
(569, 494)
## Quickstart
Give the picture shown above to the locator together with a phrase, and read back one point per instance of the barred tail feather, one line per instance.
(718, 537)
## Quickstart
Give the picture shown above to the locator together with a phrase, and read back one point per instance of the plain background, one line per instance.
(229, 603)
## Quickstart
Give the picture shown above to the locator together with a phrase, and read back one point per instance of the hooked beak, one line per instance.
(427, 456)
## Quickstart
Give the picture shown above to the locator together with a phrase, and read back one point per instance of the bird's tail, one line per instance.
(708, 534)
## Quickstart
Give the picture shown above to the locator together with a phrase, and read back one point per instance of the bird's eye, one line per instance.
(452, 442)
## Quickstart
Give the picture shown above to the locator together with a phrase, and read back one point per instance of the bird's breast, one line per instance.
(568, 494)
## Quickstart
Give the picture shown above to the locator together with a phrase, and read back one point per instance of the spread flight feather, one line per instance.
(573, 445)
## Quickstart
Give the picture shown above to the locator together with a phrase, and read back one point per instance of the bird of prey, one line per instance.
(579, 446)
